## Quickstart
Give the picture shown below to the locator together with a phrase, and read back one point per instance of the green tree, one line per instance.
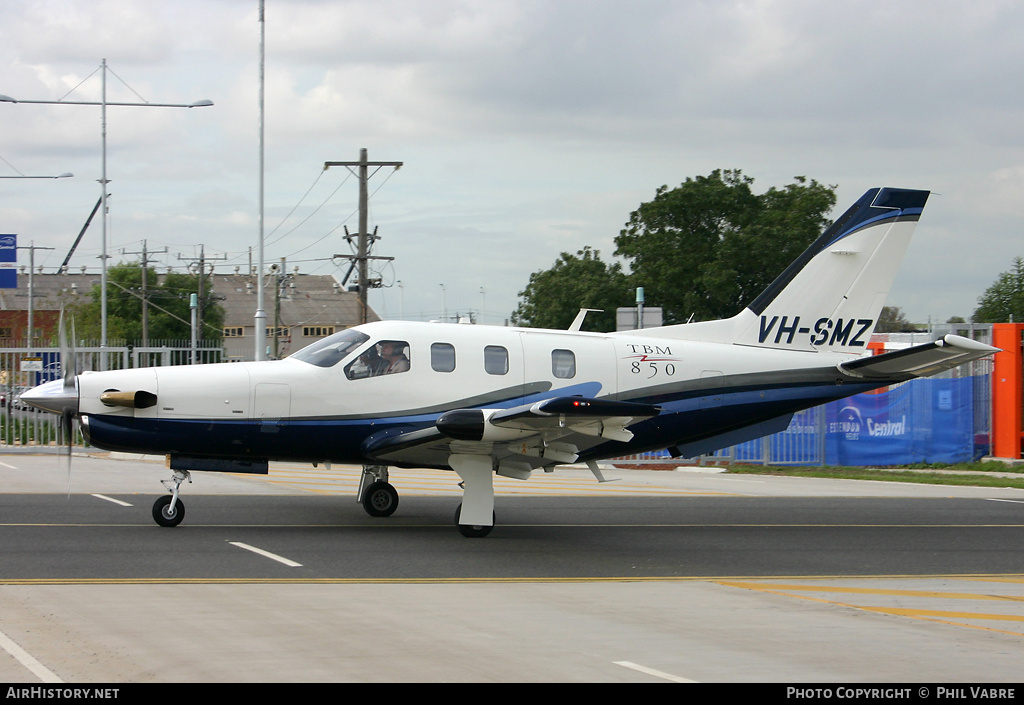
(1003, 301)
(893, 320)
(708, 247)
(554, 296)
(169, 312)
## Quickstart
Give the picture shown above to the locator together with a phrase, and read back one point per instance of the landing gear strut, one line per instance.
(377, 496)
(475, 516)
(168, 510)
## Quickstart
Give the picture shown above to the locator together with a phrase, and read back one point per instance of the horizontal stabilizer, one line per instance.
(919, 360)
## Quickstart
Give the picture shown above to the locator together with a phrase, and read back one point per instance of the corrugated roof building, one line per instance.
(309, 307)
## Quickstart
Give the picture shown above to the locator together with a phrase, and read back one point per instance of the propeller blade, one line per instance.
(58, 395)
(67, 353)
(67, 419)
(69, 374)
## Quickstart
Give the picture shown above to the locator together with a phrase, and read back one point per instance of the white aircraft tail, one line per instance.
(831, 296)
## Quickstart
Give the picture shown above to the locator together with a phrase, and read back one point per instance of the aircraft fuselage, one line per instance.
(296, 409)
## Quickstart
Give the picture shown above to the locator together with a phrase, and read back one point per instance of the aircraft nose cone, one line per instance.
(53, 397)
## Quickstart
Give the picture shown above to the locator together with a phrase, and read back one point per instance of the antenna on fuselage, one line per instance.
(577, 323)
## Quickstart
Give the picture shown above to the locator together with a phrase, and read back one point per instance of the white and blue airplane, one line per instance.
(485, 400)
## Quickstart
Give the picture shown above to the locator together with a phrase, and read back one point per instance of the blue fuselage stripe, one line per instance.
(341, 439)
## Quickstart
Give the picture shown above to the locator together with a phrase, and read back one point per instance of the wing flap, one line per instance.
(920, 360)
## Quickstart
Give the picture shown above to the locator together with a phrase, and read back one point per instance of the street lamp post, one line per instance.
(103, 179)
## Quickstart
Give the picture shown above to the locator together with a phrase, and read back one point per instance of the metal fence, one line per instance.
(811, 440)
(22, 368)
(803, 443)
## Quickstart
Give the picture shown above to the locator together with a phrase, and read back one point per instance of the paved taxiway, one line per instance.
(660, 576)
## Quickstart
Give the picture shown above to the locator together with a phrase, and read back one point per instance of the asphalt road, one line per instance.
(661, 576)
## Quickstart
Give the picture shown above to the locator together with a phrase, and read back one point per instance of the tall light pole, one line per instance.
(103, 103)
(260, 319)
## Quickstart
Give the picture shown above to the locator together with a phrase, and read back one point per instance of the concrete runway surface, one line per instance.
(579, 582)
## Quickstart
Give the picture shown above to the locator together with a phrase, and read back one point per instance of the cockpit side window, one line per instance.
(385, 358)
(332, 349)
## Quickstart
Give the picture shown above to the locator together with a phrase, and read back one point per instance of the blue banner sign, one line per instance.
(924, 421)
(8, 261)
(935, 420)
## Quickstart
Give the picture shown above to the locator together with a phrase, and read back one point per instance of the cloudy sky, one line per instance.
(526, 128)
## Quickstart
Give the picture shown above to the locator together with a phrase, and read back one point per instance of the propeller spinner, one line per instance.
(59, 396)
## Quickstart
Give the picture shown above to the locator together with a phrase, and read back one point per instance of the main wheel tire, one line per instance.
(380, 499)
(472, 531)
(164, 515)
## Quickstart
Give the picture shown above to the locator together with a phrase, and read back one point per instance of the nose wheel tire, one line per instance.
(380, 499)
(164, 515)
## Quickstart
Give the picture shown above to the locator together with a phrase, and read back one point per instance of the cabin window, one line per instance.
(442, 357)
(563, 364)
(330, 351)
(495, 360)
(387, 357)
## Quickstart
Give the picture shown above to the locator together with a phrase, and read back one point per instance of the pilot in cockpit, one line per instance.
(393, 352)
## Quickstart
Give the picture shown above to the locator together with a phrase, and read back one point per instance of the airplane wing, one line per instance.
(520, 439)
(919, 360)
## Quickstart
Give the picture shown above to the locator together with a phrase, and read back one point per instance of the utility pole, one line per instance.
(362, 251)
(280, 278)
(31, 289)
(145, 289)
(202, 280)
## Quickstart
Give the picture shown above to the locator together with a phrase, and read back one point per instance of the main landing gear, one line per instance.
(472, 531)
(168, 510)
(474, 518)
(377, 496)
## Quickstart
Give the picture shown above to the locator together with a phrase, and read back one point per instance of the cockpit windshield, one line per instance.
(332, 349)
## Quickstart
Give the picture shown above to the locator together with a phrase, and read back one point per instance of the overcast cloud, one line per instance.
(527, 128)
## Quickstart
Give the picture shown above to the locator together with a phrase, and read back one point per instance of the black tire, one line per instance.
(164, 515)
(380, 499)
(472, 531)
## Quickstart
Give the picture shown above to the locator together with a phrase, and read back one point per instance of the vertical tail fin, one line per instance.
(831, 296)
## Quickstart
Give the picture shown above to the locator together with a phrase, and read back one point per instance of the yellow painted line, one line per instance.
(907, 612)
(436, 580)
(338, 581)
(953, 618)
(512, 487)
(877, 591)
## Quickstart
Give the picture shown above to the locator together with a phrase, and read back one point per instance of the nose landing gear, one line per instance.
(168, 510)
